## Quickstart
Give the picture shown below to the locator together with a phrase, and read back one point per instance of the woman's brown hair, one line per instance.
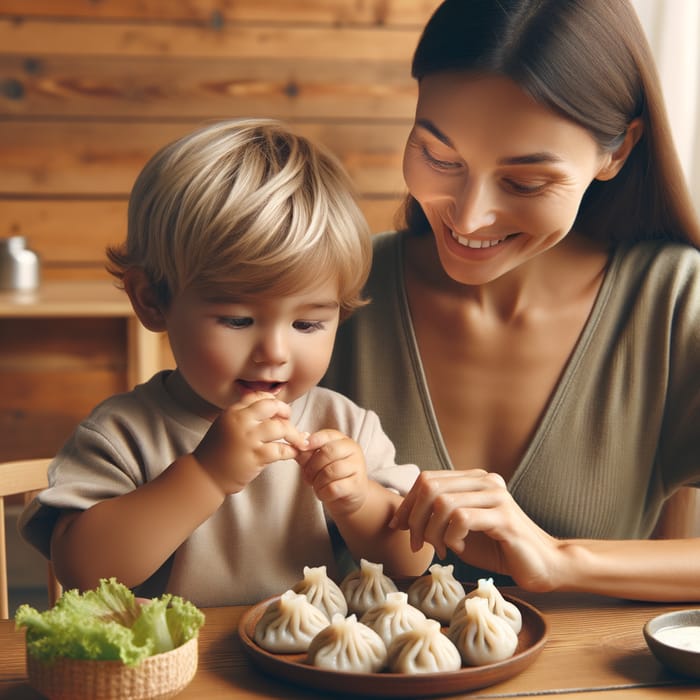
(589, 61)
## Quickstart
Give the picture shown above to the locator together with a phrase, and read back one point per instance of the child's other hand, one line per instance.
(334, 466)
(245, 438)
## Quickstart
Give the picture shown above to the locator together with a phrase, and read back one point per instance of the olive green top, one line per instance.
(621, 431)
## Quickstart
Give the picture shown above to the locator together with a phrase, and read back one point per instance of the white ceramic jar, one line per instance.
(19, 265)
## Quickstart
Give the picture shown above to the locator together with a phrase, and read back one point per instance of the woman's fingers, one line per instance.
(443, 507)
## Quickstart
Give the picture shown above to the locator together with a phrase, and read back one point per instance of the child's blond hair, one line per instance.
(245, 208)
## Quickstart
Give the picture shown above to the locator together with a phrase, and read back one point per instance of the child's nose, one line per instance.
(271, 349)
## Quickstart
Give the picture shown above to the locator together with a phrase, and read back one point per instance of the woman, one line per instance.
(533, 341)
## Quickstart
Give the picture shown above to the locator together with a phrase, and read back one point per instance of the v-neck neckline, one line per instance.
(558, 395)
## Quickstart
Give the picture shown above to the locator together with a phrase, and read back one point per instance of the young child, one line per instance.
(220, 480)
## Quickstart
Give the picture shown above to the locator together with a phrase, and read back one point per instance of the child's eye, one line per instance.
(308, 326)
(437, 163)
(236, 321)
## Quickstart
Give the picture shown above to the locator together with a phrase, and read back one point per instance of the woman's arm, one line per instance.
(653, 570)
(472, 513)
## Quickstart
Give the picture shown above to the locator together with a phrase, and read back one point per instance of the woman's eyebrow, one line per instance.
(528, 159)
(531, 159)
(429, 126)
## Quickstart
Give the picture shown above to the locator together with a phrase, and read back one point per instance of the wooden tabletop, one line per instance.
(594, 651)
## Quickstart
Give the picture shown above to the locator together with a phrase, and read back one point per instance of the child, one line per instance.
(220, 480)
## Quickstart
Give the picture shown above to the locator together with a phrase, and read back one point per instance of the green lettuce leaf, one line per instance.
(108, 624)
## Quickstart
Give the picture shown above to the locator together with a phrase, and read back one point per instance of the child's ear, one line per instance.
(144, 300)
(615, 160)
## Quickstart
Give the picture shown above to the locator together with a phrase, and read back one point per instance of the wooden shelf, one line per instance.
(79, 299)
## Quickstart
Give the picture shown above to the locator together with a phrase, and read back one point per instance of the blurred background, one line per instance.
(90, 89)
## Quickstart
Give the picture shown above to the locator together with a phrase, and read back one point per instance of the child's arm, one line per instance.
(132, 535)
(361, 508)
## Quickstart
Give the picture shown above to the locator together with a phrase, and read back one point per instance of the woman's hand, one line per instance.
(472, 513)
(245, 438)
(335, 467)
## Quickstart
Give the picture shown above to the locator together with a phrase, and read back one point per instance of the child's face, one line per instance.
(226, 349)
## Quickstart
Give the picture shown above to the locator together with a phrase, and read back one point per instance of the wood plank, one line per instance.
(104, 158)
(334, 12)
(67, 344)
(49, 386)
(40, 425)
(76, 232)
(177, 87)
(66, 231)
(38, 38)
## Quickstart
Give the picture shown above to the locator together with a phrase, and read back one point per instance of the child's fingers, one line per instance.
(297, 439)
(277, 450)
(333, 458)
(262, 405)
(321, 438)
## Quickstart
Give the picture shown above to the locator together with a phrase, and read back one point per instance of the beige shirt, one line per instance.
(257, 543)
(621, 431)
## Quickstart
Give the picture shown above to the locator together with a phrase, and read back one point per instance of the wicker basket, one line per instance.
(155, 678)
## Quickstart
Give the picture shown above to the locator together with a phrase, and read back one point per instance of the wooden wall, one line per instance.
(90, 89)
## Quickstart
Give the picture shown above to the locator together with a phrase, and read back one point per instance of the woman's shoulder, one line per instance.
(660, 251)
(386, 245)
(386, 261)
(667, 259)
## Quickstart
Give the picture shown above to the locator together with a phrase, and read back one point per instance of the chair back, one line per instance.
(25, 478)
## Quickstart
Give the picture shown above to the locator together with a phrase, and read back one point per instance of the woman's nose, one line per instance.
(474, 208)
(271, 349)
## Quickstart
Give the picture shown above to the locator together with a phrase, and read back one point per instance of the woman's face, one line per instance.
(499, 177)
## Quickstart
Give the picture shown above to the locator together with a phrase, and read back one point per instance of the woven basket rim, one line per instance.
(158, 676)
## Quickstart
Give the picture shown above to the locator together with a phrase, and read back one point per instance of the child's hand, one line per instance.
(245, 438)
(334, 466)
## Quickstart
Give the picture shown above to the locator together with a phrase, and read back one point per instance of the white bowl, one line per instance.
(675, 658)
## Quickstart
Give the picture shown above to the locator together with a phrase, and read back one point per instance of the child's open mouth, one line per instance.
(269, 387)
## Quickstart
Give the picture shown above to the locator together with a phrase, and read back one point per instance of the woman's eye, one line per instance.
(525, 188)
(437, 163)
(236, 321)
(308, 326)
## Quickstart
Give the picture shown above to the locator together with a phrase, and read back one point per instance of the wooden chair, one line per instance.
(25, 478)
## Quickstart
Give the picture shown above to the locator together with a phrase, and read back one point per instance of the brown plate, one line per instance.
(294, 668)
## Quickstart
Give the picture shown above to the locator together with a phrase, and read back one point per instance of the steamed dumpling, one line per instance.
(392, 616)
(481, 637)
(498, 605)
(437, 593)
(347, 645)
(289, 624)
(322, 591)
(366, 587)
(423, 649)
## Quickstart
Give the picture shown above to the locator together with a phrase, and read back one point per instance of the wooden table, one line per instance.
(595, 651)
(89, 299)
